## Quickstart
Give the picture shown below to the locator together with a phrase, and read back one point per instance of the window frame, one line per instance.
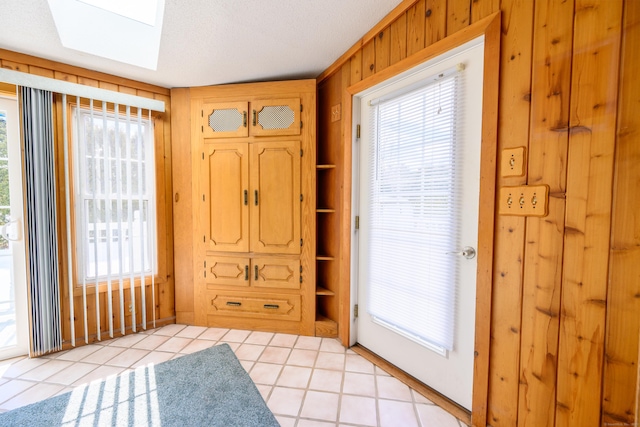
(160, 274)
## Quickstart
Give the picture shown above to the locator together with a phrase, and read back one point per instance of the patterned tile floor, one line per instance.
(306, 381)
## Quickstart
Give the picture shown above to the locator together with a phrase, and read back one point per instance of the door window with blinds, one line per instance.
(114, 176)
(413, 209)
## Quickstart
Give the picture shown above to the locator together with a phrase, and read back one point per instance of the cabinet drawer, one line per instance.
(276, 273)
(227, 271)
(264, 306)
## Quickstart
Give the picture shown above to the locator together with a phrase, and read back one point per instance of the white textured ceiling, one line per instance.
(206, 42)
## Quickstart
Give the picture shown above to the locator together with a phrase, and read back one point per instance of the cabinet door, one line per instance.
(225, 120)
(275, 197)
(270, 272)
(225, 187)
(228, 271)
(273, 117)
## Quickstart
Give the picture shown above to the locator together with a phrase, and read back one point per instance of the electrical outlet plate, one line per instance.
(512, 163)
(524, 200)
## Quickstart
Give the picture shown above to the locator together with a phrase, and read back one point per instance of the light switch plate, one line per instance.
(524, 200)
(335, 113)
(513, 160)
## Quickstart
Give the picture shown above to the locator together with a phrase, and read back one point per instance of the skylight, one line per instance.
(140, 10)
(121, 30)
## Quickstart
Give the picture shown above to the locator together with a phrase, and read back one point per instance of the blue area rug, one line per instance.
(207, 388)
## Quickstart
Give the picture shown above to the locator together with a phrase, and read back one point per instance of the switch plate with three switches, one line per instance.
(524, 200)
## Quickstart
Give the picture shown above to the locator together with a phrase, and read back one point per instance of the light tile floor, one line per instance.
(306, 381)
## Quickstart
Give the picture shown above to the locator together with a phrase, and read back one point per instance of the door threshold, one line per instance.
(439, 399)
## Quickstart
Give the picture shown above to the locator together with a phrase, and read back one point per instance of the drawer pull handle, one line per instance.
(246, 272)
(244, 121)
(254, 117)
(272, 306)
(255, 275)
(234, 303)
(246, 197)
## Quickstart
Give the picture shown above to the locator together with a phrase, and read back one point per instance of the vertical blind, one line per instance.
(414, 209)
(40, 213)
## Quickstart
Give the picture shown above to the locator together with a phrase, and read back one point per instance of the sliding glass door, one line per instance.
(14, 336)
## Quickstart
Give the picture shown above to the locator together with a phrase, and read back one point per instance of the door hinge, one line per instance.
(203, 155)
(301, 152)
(204, 238)
(205, 264)
(300, 269)
(205, 268)
(201, 113)
(201, 129)
(355, 310)
(300, 242)
(300, 124)
(301, 197)
(357, 222)
(358, 131)
(300, 279)
(203, 197)
(301, 108)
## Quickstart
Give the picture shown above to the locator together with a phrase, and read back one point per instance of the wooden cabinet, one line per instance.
(251, 197)
(261, 117)
(254, 187)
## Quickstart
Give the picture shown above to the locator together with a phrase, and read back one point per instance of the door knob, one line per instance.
(468, 252)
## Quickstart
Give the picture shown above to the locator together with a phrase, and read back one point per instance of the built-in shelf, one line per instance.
(325, 258)
(326, 327)
(325, 210)
(325, 166)
(324, 291)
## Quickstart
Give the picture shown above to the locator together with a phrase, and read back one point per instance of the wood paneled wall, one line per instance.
(565, 311)
(164, 286)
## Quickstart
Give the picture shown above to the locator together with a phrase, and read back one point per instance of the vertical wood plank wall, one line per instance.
(566, 290)
(164, 286)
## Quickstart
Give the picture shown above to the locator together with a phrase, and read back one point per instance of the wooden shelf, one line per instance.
(324, 291)
(323, 167)
(325, 210)
(326, 327)
(324, 258)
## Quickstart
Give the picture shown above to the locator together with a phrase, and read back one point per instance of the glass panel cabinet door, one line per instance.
(225, 120)
(272, 117)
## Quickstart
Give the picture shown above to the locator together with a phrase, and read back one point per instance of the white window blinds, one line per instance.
(414, 209)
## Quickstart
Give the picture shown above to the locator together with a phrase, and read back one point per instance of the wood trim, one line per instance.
(182, 203)
(486, 225)
(442, 401)
(68, 72)
(372, 33)
(431, 51)
(344, 298)
(490, 28)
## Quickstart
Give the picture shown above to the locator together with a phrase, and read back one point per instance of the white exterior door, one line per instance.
(418, 209)
(14, 335)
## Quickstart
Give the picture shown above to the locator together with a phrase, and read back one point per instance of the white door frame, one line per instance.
(490, 28)
(18, 247)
